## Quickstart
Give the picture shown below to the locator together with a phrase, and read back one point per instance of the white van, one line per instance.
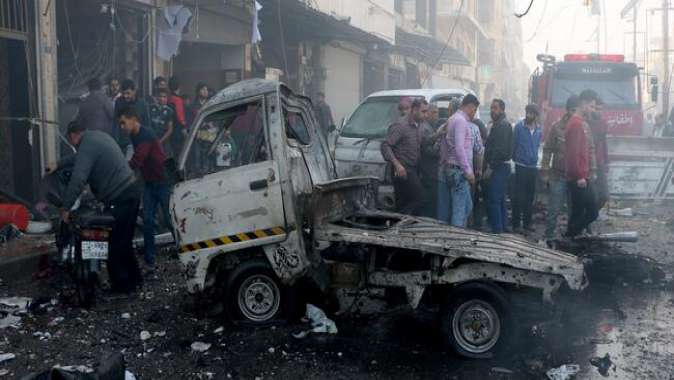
(357, 150)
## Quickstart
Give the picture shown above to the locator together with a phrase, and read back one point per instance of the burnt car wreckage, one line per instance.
(258, 222)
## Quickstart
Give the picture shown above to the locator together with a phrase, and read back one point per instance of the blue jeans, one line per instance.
(155, 195)
(496, 197)
(454, 199)
(557, 199)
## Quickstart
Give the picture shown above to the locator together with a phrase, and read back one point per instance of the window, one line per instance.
(296, 128)
(614, 93)
(227, 139)
(372, 118)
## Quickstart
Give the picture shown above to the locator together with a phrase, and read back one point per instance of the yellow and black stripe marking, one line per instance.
(231, 239)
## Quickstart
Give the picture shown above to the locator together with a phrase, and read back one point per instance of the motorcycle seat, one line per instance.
(96, 220)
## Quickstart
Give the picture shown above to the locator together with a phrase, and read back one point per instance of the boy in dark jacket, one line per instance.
(148, 158)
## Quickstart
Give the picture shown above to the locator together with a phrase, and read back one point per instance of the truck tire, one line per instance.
(254, 295)
(477, 320)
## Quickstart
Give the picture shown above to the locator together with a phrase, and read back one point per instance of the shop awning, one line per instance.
(427, 48)
(299, 19)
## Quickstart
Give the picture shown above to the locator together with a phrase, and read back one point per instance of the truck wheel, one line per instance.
(254, 295)
(477, 321)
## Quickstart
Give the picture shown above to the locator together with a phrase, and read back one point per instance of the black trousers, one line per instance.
(430, 207)
(583, 208)
(123, 268)
(409, 193)
(523, 195)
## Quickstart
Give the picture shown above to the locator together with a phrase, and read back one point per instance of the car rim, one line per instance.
(476, 326)
(259, 298)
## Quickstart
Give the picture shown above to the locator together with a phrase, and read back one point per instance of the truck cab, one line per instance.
(259, 209)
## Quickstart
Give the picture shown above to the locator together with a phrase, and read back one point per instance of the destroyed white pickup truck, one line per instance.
(258, 208)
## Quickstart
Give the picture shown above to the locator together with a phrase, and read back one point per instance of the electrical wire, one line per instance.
(540, 20)
(449, 38)
(525, 12)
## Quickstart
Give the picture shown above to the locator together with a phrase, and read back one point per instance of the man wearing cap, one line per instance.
(526, 141)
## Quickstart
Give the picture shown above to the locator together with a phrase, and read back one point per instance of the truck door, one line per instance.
(230, 197)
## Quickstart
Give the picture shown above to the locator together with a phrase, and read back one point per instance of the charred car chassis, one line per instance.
(253, 229)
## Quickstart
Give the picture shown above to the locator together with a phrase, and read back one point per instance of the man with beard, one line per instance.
(527, 140)
(579, 163)
(553, 169)
(402, 149)
(498, 153)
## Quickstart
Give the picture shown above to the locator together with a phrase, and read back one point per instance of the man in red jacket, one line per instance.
(579, 164)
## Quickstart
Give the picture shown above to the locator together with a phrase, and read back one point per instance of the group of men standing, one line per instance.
(456, 170)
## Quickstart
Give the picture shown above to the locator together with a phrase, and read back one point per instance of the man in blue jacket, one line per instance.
(526, 141)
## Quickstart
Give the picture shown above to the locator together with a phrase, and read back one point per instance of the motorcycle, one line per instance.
(83, 243)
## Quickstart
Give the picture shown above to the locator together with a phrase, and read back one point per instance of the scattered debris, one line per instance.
(55, 321)
(6, 357)
(42, 335)
(126, 316)
(320, 323)
(10, 310)
(603, 364)
(502, 371)
(200, 346)
(9, 232)
(219, 330)
(145, 335)
(271, 350)
(628, 212)
(565, 372)
(35, 227)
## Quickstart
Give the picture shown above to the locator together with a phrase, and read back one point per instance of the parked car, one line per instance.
(357, 149)
(254, 223)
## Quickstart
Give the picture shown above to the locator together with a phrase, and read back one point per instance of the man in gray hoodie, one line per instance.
(99, 162)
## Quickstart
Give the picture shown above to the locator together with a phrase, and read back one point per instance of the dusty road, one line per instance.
(627, 312)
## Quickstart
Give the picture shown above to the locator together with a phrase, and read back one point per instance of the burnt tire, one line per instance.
(255, 296)
(477, 321)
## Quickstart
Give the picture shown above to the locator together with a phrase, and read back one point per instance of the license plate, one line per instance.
(94, 250)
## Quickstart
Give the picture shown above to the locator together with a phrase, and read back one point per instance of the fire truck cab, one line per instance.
(617, 82)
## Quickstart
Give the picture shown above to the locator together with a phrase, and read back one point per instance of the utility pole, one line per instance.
(634, 34)
(665, 56)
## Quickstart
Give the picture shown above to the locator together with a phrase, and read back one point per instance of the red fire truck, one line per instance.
(617, 82)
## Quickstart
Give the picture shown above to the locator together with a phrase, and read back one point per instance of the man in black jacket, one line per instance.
(498, 152)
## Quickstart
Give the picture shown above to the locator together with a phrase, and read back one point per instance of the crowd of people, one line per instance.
(459, 171)
(118, 133)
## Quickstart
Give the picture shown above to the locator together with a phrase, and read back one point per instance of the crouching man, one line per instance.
(99, 162)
